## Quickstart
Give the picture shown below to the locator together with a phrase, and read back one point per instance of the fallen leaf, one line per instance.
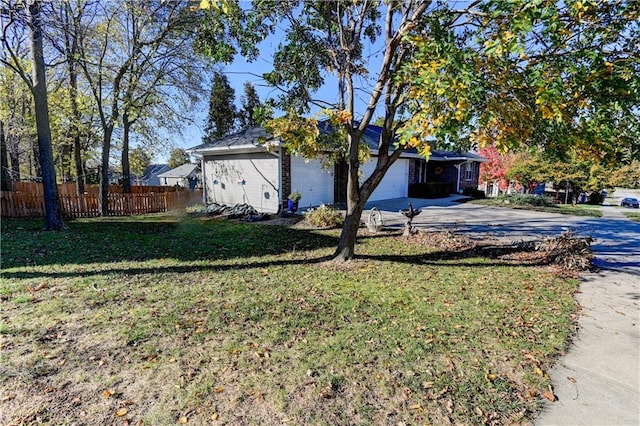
(122, 412)
(183, 420)
(539, 372)
(450, 406)
(214, 416)
(550, 396)
(327, 393)
(218, 389)
(108, 393)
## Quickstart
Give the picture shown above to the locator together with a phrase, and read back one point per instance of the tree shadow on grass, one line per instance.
(108, 241)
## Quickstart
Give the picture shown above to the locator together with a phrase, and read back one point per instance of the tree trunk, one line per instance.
(5, 176)
(104, 171)
(347, 243)
(53, 214)
(355, 205)
(126, 169)
(14, 156)
(77, 156)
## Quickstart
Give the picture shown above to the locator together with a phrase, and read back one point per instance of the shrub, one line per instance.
(197, 210)
(324, 216)
(527, 200)
(595, 198)
(473, 192)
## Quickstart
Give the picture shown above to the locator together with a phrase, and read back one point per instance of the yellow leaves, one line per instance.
(183, 420)
(217, 5)
(122, 412)
(339, 117)
(218, 389)
(108, 393)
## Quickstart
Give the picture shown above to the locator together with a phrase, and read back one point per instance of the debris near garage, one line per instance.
(235, 212)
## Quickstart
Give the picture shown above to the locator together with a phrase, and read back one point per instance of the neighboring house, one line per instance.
(459, 170)
(150, 175)
(186, 175)
(254, 168)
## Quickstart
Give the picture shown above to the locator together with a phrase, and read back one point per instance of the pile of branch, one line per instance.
(567, 251)
(446, 241)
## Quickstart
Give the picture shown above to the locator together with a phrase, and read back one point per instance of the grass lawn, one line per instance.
(635, 216)
(575, 210)
(159, 320)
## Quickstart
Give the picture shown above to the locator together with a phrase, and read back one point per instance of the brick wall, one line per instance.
(286, 176)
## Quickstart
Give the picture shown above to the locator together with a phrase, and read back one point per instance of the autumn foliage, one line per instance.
(496, 168)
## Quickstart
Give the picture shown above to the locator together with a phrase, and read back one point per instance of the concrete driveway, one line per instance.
(597, 381)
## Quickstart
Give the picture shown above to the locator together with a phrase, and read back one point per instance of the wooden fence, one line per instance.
(31, 204)
(70, 188)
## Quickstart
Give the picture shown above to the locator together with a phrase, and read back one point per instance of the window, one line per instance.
(468, 171)
(420, 171)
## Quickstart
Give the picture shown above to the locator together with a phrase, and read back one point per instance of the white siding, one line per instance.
(224, 176)
(395, 183)
(314, 183)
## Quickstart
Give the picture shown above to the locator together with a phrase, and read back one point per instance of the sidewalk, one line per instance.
(598, 381)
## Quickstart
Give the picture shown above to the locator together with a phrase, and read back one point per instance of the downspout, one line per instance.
(458, 180)
(204, 180)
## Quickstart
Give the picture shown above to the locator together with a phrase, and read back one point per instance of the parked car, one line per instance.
(630, 202)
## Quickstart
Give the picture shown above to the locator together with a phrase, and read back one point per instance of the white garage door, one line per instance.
(247, 179)
(395, 183)
(312, 181)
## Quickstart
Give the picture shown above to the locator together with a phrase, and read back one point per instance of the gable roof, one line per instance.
(255, 138)
(153, 170)
(183, 171)
(252, 137)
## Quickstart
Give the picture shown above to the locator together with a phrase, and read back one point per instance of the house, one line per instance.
(186, 175)
(150, 174)
(254, 168)
(455, 171)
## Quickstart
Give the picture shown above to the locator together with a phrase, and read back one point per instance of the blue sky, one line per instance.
(241, 71)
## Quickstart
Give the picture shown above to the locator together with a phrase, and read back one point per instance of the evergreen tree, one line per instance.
(177, 158)
(250, 107)
(222, 110)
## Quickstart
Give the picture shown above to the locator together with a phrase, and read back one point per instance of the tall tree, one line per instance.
(114, 44)
(178, 157)
(38, 85)
(16, 113)
(5, 175)
(251, 107)
(222, 110)
(496, 168)
(451, 74)
(140, 160)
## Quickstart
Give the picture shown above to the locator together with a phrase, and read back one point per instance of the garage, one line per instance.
(394, 184)
(312, 181)
(243, 179)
